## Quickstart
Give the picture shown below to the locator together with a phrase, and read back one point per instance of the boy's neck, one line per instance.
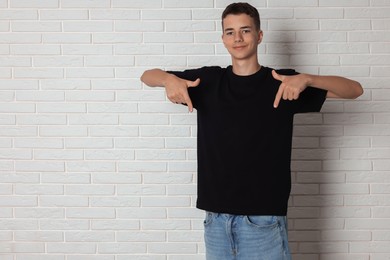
(245, 68)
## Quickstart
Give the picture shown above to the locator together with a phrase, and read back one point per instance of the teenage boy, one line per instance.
(245, 120)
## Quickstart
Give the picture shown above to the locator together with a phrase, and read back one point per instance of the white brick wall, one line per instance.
(96, 166)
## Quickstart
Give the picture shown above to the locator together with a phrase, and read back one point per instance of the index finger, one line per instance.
(188, 101)
(278, 96)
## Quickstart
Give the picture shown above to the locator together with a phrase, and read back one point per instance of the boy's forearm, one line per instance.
(155, 77)
(338, 87)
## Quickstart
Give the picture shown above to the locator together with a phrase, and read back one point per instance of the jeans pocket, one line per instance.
(208, 219)
(262, 221)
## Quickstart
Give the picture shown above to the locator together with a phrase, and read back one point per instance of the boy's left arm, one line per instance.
(337, 87)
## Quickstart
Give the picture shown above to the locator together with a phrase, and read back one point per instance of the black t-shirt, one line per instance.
(244, 143)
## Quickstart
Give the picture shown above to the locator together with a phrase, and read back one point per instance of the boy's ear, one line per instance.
(260, 37)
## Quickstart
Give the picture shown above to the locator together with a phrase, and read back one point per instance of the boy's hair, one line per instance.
(242, 8)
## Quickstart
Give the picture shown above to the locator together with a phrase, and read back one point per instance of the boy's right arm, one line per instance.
(176, 88)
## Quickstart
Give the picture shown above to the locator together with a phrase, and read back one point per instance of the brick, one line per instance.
(142, 213)
(165, 224)
(61, 201)
(122, 248)
(160, 155)
(28, 189)
(166, 14)
(63, 14)
(39, 213)
(170, 178)
(89, 143)
(139, 236)
(285, 3)
(189, 49)
(139, 49)
(373, 247)
(137, 4)
(16, 108)
(66, 178)
(168, 37)
(318, 154)
(92, 257)
(344, 48)
(95, 236)
(17, 247)
(34, 4)
(39, 73)
(187, 166)
(18, 224)
(137, 119)
(36, 26)
(18, 131)
(142, 95)
(101, 61)
(112, 131)
(19, 38)
(90, 166)
(173, 248)
(116, 84)
(89, 73)
(68, 38)
(139, 26)
(90, 213)
(86, 4)
(65, 84)
(61, 61)
(41, 120)
(182, 190)
(109, 155)
(18, 14)
(168, 131)
(35, 49)
(118, 224)
(71, 248)
(366, 12)
(110, 14)
(139, 143)
(319, 13)
(93, 120)
(115, 202)
(15, 62)
(90, 26)
(116, 178)
(345, 3)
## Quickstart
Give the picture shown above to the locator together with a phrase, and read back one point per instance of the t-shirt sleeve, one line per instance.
(310, 100)
(192, 75)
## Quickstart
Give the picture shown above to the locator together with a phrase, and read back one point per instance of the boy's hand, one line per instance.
(177, 91)
(290, 88)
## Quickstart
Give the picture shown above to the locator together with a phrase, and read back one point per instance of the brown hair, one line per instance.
(243, 8)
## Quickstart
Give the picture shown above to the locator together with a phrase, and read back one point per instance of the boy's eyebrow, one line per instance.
(243, 27)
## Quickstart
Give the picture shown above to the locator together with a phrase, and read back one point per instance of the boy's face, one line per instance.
(240, 36)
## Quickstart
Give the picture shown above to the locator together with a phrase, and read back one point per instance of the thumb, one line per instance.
(195, 83)
(277, 76)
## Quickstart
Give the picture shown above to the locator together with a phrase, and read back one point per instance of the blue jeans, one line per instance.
(236, 237)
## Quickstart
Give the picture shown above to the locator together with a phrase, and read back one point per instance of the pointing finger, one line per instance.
(188, 101)
(278, 96)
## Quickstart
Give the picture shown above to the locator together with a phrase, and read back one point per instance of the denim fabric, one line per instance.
(236, 237)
